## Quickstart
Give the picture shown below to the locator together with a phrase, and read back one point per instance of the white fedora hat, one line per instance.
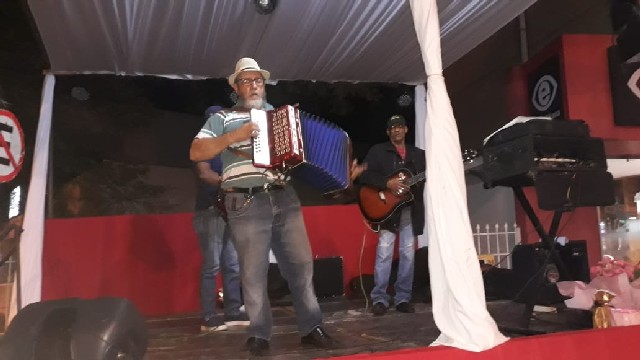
(247, 64)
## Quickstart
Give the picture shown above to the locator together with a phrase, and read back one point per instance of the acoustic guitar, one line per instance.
(379, 205)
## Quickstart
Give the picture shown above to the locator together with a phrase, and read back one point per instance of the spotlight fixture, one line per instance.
(79, 93)
(265, 7)
(404, 100)
(469, 155)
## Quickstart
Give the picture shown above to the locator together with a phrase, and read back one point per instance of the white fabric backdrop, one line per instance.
(459, 307)
(32, 236)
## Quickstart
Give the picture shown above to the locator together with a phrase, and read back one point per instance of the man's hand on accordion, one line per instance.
(246, 132)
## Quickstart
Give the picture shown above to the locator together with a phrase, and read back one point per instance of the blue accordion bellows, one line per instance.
(327, 151)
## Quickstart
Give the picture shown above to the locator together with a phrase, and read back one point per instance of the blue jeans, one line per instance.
(273, 220)
(218, 254)
(384, 258)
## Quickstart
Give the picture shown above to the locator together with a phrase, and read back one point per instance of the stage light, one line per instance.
(469, 155)
(265, 7)
(80, 93)
(404, 100)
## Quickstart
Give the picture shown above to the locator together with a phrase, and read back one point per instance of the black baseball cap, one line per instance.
(396, 120)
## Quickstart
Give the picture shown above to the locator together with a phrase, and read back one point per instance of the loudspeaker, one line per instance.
(498, 283)
(574, 256)
(559, 190)
(421, 276)
(535, 272)
(98, 329)
(328, 279)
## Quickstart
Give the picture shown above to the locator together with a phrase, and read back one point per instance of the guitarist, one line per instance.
(408, 222)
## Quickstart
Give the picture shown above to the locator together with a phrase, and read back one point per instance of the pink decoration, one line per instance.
(625, 317)
(616, 276)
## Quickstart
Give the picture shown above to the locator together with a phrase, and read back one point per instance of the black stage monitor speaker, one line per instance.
(535, 272)
(498, 283)
(328, 278)
(574, 255)
(421, 277)
(98, 329)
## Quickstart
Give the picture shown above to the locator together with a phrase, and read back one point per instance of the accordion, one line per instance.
(279, 142)
(314, 150)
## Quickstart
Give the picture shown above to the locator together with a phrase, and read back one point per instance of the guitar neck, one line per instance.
(415, 179)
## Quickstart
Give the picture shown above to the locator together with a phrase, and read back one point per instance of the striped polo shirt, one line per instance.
(237, 170)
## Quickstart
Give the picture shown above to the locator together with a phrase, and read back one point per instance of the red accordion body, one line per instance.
(279, 142)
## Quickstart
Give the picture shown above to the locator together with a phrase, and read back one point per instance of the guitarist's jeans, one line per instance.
(384, 258)
(273, 220)
(218, 254)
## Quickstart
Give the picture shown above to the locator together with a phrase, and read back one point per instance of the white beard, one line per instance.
(252, 104)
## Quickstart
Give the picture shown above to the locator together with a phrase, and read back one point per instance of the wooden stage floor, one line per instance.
(356, 331)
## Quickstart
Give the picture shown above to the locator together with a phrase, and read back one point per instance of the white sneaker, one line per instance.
(213, 325)
(237, 320)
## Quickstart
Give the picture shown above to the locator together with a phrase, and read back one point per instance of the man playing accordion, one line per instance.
(263, 213)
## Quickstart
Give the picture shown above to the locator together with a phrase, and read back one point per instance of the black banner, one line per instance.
(625, 89)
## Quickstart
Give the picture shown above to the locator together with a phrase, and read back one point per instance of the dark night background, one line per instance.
(107, 130)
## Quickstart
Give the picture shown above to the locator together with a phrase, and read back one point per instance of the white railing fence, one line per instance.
(494, 243)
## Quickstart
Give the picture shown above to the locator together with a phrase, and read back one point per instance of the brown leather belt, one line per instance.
(255, 189)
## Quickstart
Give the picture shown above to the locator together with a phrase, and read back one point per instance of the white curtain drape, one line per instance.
(32, 237)
(420, 106)
(459, 307)
(420, 101)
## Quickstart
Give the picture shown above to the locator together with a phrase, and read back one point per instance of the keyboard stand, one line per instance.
(548, 242)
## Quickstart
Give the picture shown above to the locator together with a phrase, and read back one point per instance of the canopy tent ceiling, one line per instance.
(324, 40)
